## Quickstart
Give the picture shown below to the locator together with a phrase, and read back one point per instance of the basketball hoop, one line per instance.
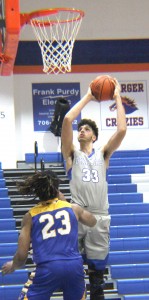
(55, 30)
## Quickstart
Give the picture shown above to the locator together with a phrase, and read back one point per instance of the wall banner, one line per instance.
(134, 95)
(44, 97)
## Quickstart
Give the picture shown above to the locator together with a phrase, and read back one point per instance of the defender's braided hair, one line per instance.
(43, 185)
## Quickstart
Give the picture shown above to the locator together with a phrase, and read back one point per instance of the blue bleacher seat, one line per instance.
(6, 213)
(122, 188)
(126, 208)
(5, 202)
(129, 231)
(9, 224)
(9, 236)
(126, 169)
(133, 243)
(18, 276)
(125, 161)
(133, 286)
(136, 297)
(129, 271)
(125, 178)
(48, 157)
(10, 292)
(3, 192)
(131, 153)
(2, 183)
(125, 197)
(7, 249)
(128, 257)
(1, 174)
(130, 219)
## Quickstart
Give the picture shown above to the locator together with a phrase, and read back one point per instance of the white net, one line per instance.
(56, 34)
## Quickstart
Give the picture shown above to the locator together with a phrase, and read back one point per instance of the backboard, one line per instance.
(2, 25)
(9, 34)
(55, 30)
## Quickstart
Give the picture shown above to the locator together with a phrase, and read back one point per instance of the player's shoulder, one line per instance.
(63, 204)
(35, 210)
(99, 150)
(39, 208)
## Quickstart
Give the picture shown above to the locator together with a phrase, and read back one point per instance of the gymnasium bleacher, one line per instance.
(127, 272)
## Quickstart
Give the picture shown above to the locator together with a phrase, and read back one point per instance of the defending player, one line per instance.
(52, 228)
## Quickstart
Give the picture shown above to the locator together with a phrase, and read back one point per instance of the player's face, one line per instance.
(85, 133)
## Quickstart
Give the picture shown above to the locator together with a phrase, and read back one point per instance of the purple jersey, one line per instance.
(54, 234)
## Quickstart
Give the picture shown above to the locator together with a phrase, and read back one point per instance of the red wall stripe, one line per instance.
(87, 68)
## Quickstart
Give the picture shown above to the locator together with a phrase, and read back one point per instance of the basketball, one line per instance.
(102, 88)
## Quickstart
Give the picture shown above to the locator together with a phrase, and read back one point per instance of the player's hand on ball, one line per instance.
(117, 89)
(89, 93)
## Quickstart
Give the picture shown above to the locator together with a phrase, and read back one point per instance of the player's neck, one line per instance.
(86, 148)
(50, 201)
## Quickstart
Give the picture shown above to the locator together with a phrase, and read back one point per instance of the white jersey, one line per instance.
(88, 183)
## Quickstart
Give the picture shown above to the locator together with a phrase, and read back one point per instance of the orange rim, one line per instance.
(27, 18)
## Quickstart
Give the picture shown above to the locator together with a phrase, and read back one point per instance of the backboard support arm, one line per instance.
(12, 33)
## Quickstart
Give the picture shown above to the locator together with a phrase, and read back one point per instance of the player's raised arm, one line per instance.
(116, 139)
(67, 130)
